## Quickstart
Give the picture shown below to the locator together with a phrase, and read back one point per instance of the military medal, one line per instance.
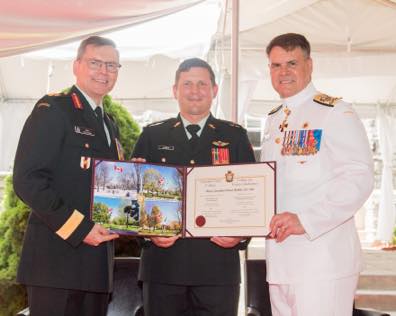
(285, 124)
(301, 142)
(220, 156)
(120, 150)
(85, 162)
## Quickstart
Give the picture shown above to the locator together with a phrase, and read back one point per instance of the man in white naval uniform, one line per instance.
(324, 175)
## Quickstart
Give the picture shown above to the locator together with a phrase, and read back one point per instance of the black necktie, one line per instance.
(193, 129)
(99, 118)
(99, 115)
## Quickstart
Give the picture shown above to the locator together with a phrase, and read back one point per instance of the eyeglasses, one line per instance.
(96, 64)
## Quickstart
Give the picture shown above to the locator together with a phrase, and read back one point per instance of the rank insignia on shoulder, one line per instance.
(156, 123)
(43, 105)
(274, 110)
(219, 143)
(76, 101)
(177, 124)
(235, 125)
(212, 126)
(325, 99)
(55, 94)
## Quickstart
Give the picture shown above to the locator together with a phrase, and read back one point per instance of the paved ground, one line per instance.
(379, 262)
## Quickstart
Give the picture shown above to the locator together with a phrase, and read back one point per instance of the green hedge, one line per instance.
(14, 218)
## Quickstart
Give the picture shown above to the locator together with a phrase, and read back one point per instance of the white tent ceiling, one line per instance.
(351, 40)
(353, 44)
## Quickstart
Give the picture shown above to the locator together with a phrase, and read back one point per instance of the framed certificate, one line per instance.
(201, 201)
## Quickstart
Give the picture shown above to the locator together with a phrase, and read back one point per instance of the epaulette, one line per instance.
(43, 105)
(274, 110)
(229, 123)
(232, 124)
(158, 123)
(57, 94)
(325, 99)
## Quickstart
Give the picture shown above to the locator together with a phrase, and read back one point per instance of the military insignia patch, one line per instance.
(165, 147)
(54, 94)
(84, 131)
(43, 105)
(219, 143)
(85, 162)
(325, 99)
(220, 156)
(76, 101)
(212, 126)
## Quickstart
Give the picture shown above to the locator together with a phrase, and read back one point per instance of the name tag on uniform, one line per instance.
(166, 147)
(84, 131)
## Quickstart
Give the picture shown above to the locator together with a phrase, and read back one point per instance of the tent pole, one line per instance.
(235, 60)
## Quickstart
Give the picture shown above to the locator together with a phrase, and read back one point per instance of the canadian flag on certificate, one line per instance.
(117, 169)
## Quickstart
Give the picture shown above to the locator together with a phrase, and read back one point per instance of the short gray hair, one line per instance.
(95, 41)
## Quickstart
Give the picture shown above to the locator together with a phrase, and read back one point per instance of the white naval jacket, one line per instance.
(324, 189)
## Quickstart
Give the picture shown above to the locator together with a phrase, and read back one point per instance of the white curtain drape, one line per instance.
(386, 210)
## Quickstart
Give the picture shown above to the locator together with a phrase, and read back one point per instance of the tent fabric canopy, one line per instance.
(29, 25)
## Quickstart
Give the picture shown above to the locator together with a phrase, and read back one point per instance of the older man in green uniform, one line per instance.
(192, 276)
(67, 260)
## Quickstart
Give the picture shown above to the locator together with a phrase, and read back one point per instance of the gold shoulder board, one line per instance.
(325, 99)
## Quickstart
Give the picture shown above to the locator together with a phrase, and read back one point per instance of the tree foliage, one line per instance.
(12, 227)
(13, 219)
(129, 129)
(101, 213)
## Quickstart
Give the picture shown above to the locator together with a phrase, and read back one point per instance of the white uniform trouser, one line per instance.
(313, 298)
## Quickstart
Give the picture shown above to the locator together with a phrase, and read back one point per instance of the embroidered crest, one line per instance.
(229, 176)
(219, 143)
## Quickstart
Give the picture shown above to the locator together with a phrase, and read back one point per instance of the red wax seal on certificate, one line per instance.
(200, 221)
